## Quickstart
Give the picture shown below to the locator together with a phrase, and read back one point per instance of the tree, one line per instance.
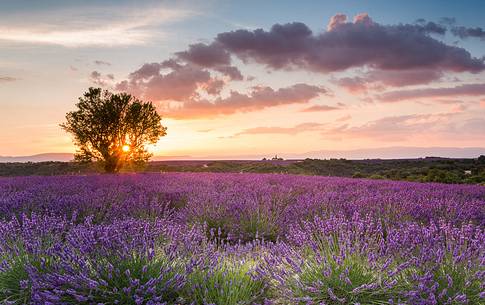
(481, 159)
(113, 128)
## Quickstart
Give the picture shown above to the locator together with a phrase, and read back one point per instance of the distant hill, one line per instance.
(397, 153)
(356, 154)
(64, 157)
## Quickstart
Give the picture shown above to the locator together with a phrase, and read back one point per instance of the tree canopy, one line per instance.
(113, 128)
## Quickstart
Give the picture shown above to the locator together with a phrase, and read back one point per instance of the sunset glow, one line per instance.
(230, 82)
(125, 148)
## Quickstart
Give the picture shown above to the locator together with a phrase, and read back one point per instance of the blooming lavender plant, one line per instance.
(239, 239)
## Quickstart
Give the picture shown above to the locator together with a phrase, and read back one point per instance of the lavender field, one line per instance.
(239, 239)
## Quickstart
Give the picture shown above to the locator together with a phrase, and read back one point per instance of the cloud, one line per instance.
(257, 99)
(388, 129)
(174, 80)
(345, 45)
(214, 86)
(300, 128)
(89, 26)
(205, 55)
(193, 81)
(395, 128)
(99, 80)
(459, 31)
(464, 32)
(461, 90)
(403, 78)
(7, 79)
(447, 20)
(344, 118)
(354, 85)
(178, 87)
(319, 108)
(180, 84)
(429, 27)
(335, 21)
(102, 63)
(210, 56)
(230, 71)
(95, 77)
(381, 79)
(452, 125)
(112, 36)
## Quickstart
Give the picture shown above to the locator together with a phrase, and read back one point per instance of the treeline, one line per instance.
(421, 170)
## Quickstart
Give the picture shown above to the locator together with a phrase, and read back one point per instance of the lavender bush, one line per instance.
(239, 239)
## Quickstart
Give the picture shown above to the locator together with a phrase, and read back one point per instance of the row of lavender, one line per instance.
(239, 239)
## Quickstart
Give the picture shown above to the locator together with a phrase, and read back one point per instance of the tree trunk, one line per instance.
(111, 165)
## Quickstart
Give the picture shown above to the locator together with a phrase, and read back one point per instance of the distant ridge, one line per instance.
(65, 157)
(397, 152)
(39, 158)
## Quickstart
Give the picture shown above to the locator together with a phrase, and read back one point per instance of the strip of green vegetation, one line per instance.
(420, 170)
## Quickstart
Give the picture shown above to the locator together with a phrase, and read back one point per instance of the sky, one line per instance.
(245, 78)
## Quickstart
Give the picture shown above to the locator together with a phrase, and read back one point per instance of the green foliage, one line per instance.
(377, 176)
(358, 175)
(230, 283)
(330, 275)
(481, 159)
(259, 225)
(439, 175)
(14, 286)
(418, 170)
(105, 123)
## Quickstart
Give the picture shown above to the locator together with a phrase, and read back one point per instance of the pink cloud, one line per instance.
(335, 21)
(407, 127)
(258, 98)
(300, 128)
(355, 85)
(344, 118)
(5, 79)
(319, 108)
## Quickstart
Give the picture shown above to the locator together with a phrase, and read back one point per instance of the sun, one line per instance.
(125, 148)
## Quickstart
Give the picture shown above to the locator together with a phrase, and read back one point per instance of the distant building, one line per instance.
(468, 172)
(276, 158)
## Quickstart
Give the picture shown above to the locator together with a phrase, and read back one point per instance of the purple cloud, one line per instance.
(180, 84)
(464, 32)
(380, 79)
(392, 56)
(461, 90)
(345, 45)
(102, 63)
(205, 55)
